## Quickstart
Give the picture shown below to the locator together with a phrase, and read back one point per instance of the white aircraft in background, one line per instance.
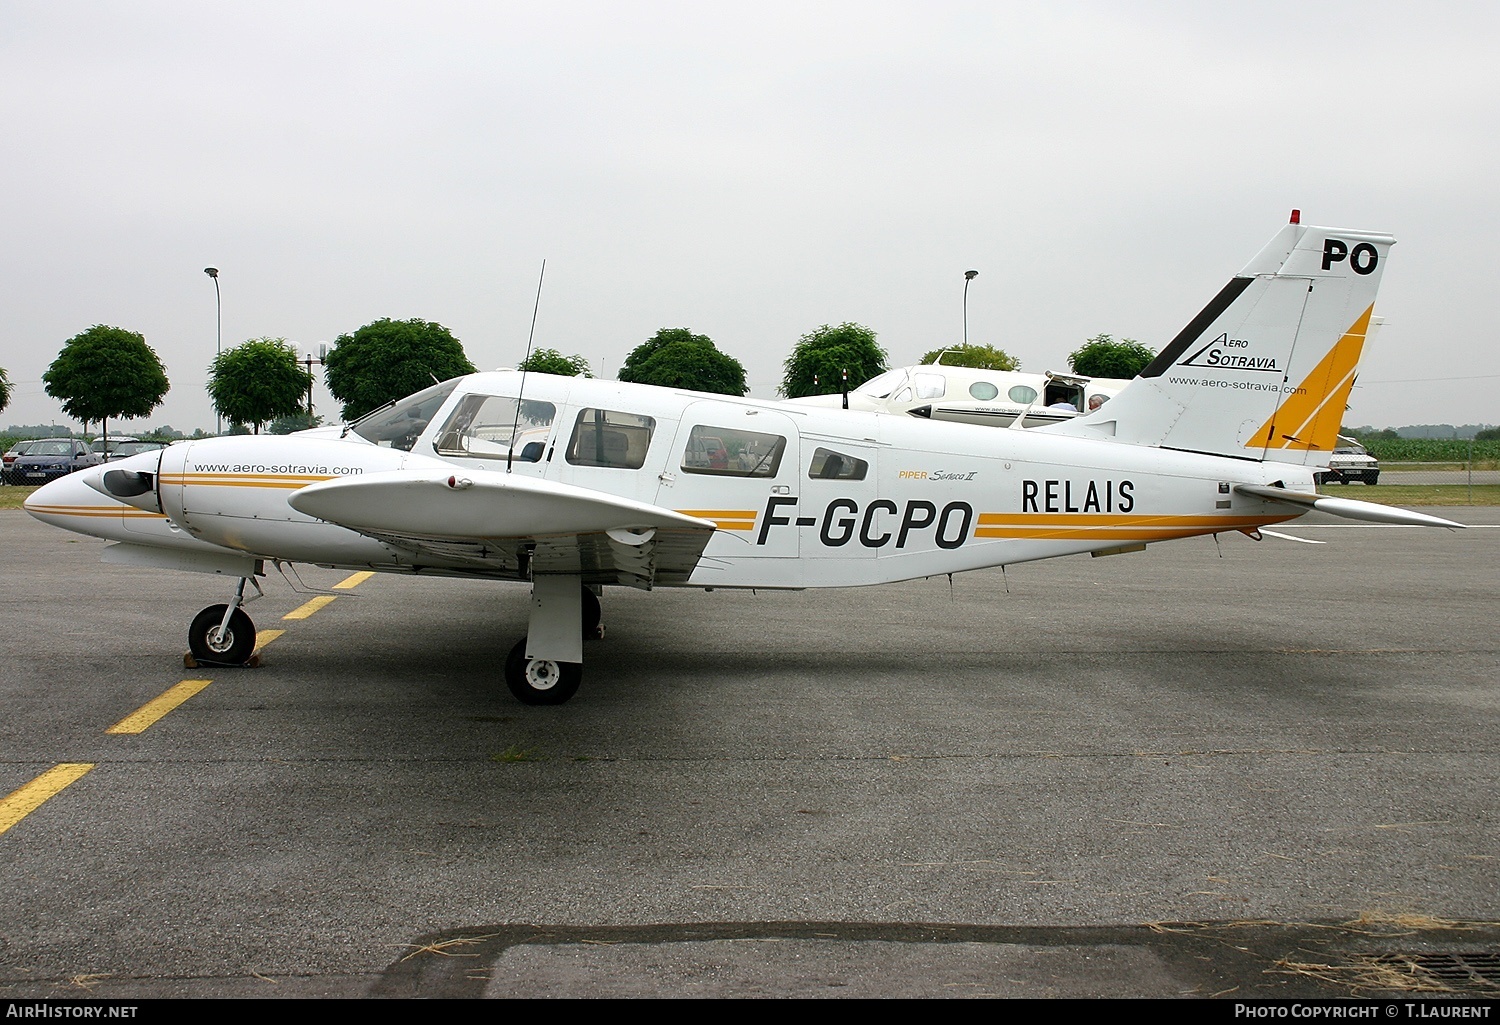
(967, 395)
(572, 484)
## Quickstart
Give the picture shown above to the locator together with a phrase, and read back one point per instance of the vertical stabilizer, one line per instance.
(1264, 370)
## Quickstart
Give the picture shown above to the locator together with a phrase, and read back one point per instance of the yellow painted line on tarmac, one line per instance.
(27, 798)
(353, 581)
(264, 637)
(137, 721)
(308, 608)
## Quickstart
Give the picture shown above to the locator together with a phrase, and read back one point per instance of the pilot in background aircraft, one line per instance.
(572, 485)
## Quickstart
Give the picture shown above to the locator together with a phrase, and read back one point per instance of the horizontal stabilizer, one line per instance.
(1348, 508)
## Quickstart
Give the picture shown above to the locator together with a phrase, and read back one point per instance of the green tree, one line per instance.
(257, 381)
(674, 357)
(294, 422)
(818, 363)
(980, 357)
(550, 361)
(1488, 434)
(390, 359)
(4, 388)
(106, 372)
(1102, 356)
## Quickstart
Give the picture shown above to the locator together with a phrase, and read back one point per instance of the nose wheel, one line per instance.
(540, 681)
(212, 639)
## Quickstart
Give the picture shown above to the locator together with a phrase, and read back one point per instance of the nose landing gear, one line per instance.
(224, 634)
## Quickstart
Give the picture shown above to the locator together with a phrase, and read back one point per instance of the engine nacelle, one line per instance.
(233, 492)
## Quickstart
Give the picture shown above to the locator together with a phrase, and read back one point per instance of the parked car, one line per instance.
(50, 458)
(1349, 462)
(107, 445)
(19, 448)
(133, 448)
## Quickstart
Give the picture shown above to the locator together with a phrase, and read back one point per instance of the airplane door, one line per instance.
(740, 468)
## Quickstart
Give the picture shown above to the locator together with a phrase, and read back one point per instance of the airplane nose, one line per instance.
(63, 501)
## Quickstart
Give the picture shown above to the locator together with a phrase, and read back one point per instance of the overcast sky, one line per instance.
(747, 171)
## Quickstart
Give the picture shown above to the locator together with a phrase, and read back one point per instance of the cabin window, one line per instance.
(830, 465)
(1022, 393)
(727, 452)
(606, 437)
(929, 386)
(399, 424)
(488, 427)
(984, 391)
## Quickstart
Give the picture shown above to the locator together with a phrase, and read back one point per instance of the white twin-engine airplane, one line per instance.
(573, 484)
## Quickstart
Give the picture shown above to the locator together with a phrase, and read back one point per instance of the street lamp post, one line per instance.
(308, 362)
(969, 275)
(213, 272)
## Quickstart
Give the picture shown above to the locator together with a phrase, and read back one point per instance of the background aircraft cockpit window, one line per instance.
(830, 465)
(606, 437)
(984, 391)
(881, 386)
(1022, 393)
(1060, 391)
(929, 386)
(400, 423)
(486, 427)
(727, 452)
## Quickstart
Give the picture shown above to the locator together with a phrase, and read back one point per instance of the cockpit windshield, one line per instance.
(401, 423)
(880, 387)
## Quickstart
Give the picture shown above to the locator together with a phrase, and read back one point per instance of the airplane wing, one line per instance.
(512, 525)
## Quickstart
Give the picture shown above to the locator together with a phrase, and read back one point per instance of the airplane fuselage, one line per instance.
(800, 497)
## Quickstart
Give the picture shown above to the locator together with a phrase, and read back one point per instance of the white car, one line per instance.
(1349, 462)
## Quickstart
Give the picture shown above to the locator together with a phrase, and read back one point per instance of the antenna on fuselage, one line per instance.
(515, 428)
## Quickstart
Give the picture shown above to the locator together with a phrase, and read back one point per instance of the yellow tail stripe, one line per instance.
(28, 797)
(1310, 417)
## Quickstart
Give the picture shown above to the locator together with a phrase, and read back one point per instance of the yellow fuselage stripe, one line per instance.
(28, 797)
(151, 711)
(124, 511)
(1124, 520)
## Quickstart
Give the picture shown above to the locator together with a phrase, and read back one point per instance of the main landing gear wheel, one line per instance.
(232, 646)
(540, 681)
